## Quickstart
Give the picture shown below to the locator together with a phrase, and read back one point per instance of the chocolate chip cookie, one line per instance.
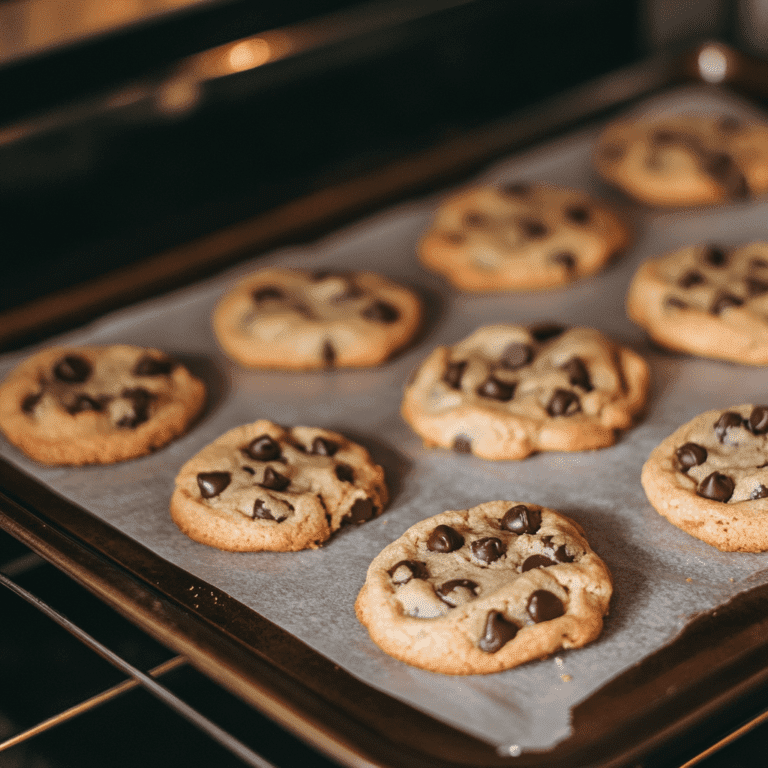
(710, 478)
(263, 487)
(300, 320)
(521, 237)
(682, 160)
(707, 300)
(507, 391)
(97, 405)
(485, 589)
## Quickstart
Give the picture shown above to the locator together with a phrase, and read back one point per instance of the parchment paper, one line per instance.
(662, 576)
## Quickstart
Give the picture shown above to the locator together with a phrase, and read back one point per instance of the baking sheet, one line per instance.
(662, 575)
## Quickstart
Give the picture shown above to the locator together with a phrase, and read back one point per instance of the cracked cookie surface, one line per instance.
(707, 300)
(682, 160)
(710, 478)
(300, 320)
(97, 405)
(508, 391)
(485, 589)
(263, 487)
(521, 237)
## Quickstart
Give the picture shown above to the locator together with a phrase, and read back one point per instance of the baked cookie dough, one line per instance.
(485, 589)
(263, 487)
(521, 237)
(299, 320)
(507, 391)
(97, 405)
(710, 478)
(682, 160)
(706, 300)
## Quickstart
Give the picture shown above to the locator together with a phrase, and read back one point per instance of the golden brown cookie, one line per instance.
(681, 160)
(97, 405)
(710, 478)
(300, 320)
(507, 391)
(521, 237)
(485, 589)
(706, 300)
(263, 487)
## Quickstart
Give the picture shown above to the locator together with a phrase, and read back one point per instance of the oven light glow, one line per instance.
(713, 64)
(249, 54)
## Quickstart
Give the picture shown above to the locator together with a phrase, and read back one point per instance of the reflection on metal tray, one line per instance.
(266, 664)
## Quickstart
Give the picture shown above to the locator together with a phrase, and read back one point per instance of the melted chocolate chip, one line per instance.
(328, 354)
(579, 214)
(405, 570)
(496, 390)
(488, 549)
(691, 278)
(453, 374)
(83, 403)
(274, 481)
(725, 301)
(453, 237)
(546, 331)
(516, 189)
(665, 137)
(521, 519)
(350, 291)
(29, 403)
(263, 512)
(729, 124)
(717, 487)
(262, 448)
(497, 633)
(756, 287)
(444, 539)
(758, 263)
(761, 492)
(462, 444)
(578, 375)
(757, 423)
(536, 561)
(345, 473)
(362, 510)
(446, 592)
(212, 483)
(323, 447)
(563, 403)
(728, 420)
(690, 455)
(560, 553)
(72, 369)
(381, 312)
(516, 355)
(714, 256)
(153, 366)
(475, 219)
(564, 259)
(544, 606)
(267, 293)
(675, 302)
(533, 228)
(249, 470)
(721, 167)
(139, 399)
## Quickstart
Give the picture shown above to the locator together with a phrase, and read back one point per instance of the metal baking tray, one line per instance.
(704, 671)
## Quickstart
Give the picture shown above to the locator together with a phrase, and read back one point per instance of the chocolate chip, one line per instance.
(323, 447)
(675, 302)
(381, 312)
(757, 423)
(544, 606)
(488, 549)
(475, 219)
(444, 539)
(714, 256)
(153, 366)
(263, 512)
(725, 301)
(563, 403)
(274, 481)
(212, 483)
(362, 510)
(560, 553)
(249, 470)
(690, 455)
(726, 172)
(139, 399)
(521, 519)
(716, 486)
(578, 375)
(564, 259)
(516, 189)
(462, 444)
(405, 570)
(533, 228)
(29, 403)
(328, 354)
(761, 492)
(758, 263)
(84, 403)
(266, 293)
(262, 448)
(691, 278)
(350, 291)
(536, 561)
(453, 237)
(756, 287)
(729, 124)
(453, 374)
(664, 137)
(728, 420)
(73, 369)
(497, 633)
(612, 151)
(345, 473)
(578, 214)
(516, 355)
(496, 390)
(546, 331)
(447, 592)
